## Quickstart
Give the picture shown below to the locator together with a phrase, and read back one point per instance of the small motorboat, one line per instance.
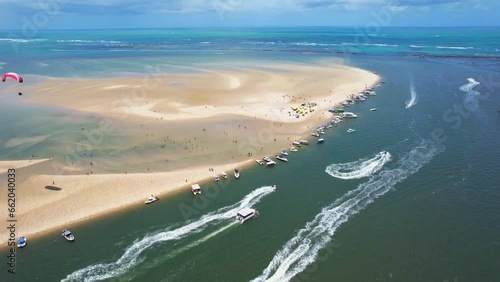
(284, 152)
(293, 149)
(223, 175)
(315, 134)
(216, 177)
(22, 242)
(236, 173)
(151, 199)
(260, 162)
(373, 109)
(350, 130)
(281, 158)
(304, 142)
(266, 159)
(321, 141)
(68, 235)
(295, 143)
(270, 163)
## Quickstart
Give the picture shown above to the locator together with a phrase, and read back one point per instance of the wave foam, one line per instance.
(19, 40)
(130, 258)
(302, 250)
(359, 169)
(454, 47)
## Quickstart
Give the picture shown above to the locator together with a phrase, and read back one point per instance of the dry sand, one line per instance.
(188, 123)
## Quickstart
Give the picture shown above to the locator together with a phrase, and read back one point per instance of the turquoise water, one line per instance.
(341, 211)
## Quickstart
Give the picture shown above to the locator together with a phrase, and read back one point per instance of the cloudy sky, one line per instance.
(90, 14)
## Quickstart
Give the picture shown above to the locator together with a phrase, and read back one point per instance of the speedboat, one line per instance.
(304, 142)
(321, 141)
(22, 242)
(349, 115)
(196, 189)
(281, 158)
(223, 175)
(321, 132)
(259, 162)
(284, 152)
(246, 214)
(329, 126)
(270, 163)
(350, 130)
(151, 199)
(68, 235)
(315, 134)
(266, 159)
(236, 173)
(293, 149)
(295, 143)
(216, 177)
(373, 109)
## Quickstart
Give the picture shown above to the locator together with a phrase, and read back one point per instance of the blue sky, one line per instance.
(90, 14)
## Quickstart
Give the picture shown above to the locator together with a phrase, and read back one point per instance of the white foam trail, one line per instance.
(468, 87)
(471, 102)
(359, 169)
(303, 248)
(414, 97)
(131, 258)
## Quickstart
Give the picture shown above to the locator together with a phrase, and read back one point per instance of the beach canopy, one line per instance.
(12, 75)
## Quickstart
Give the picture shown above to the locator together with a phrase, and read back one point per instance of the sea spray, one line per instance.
(302, 250)
(359, 169)
(131, 258)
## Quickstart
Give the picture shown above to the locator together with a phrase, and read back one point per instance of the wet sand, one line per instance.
(159, 134)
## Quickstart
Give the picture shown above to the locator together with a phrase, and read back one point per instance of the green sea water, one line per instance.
(340, 212)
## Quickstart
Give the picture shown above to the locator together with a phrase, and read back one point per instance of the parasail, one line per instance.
(12, 75)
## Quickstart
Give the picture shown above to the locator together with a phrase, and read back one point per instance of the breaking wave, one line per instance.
(130, 257)
(302, 250)
(454, 47)
(359, 169)
(19, 40)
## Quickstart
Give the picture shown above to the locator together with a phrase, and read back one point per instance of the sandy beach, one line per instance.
(160, 133)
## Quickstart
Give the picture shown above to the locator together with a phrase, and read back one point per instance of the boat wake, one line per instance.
(414, 98)
(359, 169)
(302, 250)
(131, 258)
(471, 101)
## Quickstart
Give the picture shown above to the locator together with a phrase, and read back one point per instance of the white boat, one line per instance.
(281, 158)
(223, 175)
(196, 189)
(293, 149)
(266, 159)
(270, 163)
(22, 242)
(315, 134)
(321, 141)
(284, 152)
(329, 126)
(246, 214)
(68, 235)
(349, 115)
(216, 177)
(260, 162)
(236, 173)
(295, 143)
(151, 199)
(373, 109)
(304, 142)
(350, 130)
(370, 93)
(321, 132)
